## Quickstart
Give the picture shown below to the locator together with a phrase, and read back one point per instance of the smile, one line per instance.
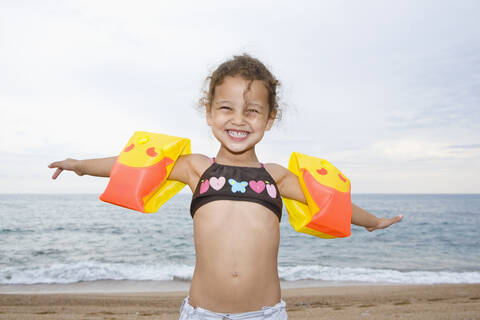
(237, 135)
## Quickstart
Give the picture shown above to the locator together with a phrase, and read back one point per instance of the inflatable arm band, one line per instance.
(328, 212)
(138, 179)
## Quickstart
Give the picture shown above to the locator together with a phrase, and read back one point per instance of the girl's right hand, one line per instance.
(67, 164)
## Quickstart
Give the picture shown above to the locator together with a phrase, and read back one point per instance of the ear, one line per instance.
(271, 120)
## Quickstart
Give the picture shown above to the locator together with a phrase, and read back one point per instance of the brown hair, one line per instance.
(248, 68)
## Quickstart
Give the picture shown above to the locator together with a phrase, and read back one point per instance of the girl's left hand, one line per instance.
(385, 223)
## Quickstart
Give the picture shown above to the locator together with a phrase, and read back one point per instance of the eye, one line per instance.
(252, 110)
(225, 108)
(130, 147)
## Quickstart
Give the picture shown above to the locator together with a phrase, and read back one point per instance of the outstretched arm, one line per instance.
(100, 167)
(363, 218)
(290, 188)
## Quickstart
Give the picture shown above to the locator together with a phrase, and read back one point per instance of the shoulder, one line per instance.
(197, 162)
(278, 172)
(189, 167)
(287, 182)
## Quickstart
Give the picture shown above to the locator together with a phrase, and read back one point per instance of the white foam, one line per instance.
(92, 271)
(317, 272)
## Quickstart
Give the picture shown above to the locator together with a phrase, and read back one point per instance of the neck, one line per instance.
(247, 158)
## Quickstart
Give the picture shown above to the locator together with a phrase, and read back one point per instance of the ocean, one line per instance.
(59, 238)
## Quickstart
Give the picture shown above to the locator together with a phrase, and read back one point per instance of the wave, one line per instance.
(92, 271)
(316, 272)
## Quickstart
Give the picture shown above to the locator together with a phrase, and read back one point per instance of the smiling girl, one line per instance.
(235, 274)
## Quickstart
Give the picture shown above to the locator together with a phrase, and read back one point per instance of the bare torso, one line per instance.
(236, 244)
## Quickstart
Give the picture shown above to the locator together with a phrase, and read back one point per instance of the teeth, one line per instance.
(237, 134)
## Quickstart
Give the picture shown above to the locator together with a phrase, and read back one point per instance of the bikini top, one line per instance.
(224, 182)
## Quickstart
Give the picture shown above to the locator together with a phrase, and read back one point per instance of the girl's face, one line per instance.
(238, 117)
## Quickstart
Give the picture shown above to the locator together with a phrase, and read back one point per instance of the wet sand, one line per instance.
(327, 302)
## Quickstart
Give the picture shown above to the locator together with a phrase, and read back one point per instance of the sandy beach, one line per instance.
(330, 302)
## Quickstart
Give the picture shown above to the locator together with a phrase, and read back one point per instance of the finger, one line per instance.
(56, 173)
(55, 164)
(396, 219)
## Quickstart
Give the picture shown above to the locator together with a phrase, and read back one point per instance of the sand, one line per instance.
(344, 302)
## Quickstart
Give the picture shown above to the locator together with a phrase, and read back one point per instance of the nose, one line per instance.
(238, 117)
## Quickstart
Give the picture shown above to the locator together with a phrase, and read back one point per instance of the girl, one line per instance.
(235, 274)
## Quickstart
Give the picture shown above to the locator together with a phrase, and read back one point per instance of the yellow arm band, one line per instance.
(328, 212)
(139, 177)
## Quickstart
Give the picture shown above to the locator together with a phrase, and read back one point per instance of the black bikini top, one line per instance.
(223, 182)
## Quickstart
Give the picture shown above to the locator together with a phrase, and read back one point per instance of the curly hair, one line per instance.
(248, 68)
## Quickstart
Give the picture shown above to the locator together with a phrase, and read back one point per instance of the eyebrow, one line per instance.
(251, 103)
(257, 104)
(222, 101)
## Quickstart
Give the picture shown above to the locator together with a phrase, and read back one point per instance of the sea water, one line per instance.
(77, 238)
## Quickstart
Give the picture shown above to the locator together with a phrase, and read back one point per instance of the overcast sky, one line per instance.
(388, 91)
